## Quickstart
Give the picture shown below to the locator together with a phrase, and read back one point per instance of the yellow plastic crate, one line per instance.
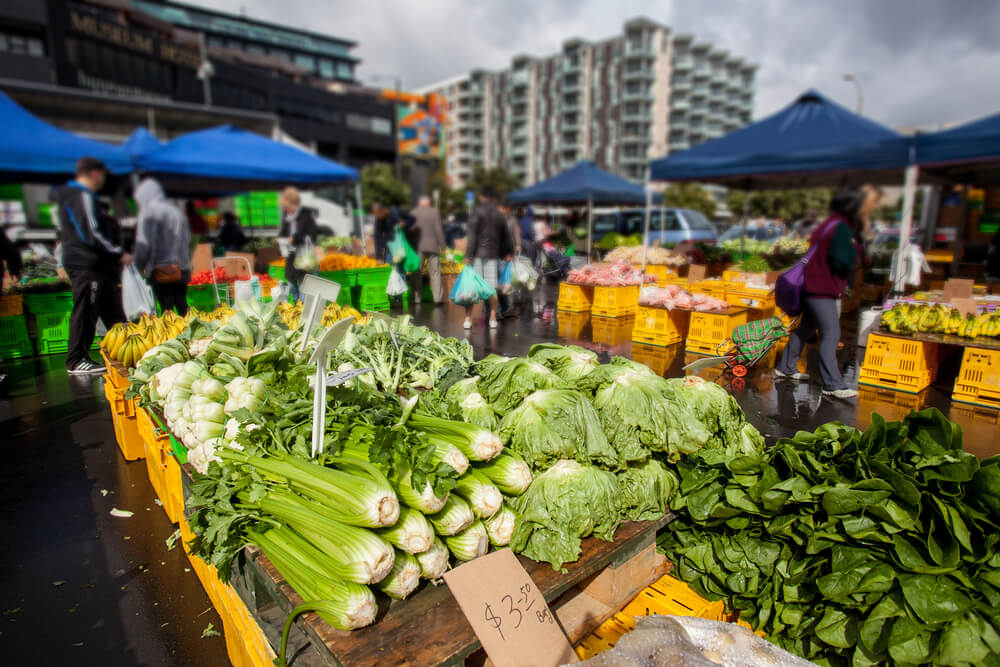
(615, 301)
(708, 331)
(714, 288)
(659, 326)
(123, 418)
(658, 358)
(978, 380)
(658, 271)
(571, 324)
(163, 469)
(890, 404)
(612, 330)
(605, 637)
(898, 363)
(751, 297)
(575, 298)
(245, 641)
(670, 596)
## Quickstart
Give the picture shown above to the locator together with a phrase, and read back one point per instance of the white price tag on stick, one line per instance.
(508, 613)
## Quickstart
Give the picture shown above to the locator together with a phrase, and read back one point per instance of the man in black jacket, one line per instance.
(298, 223)
(91, 259)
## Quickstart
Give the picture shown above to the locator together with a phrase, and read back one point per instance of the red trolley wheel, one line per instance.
(739, 384)
(739, 370)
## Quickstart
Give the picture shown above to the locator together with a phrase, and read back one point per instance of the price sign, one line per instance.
(335, 379)
(958, 288)
(508, 613)
(696, 272)
(965, 306)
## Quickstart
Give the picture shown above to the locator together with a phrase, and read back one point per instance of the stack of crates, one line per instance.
(978, 380)
(51, 313)
(161, 465)
(758, 299)
(713, 288)
(615, 301)
(258, 209)
(571, 324)
(899, 363)
(575, 298)
(123, 416)
(370, 291)
(612, 330)
(660, 272)
(14, 340)
(708, 331)
(658, 359)
(347, 279)
(659, 326)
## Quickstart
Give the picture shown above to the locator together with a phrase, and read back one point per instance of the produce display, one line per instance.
(39, 274)
(614, 240)
(614, 274)
(334, 242)
(128, 342)
(785, 252)
(207, 277)
(289, 313)
(674, 296)
(908, 318)
(754, 264)
(450, 264)
(752, 246)
(338, 261)
(654, 255)
(850, 547)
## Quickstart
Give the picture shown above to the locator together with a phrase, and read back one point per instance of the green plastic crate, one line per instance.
(52, 327)
(14, 340)
(377, 275)
(371, 297)
(45, 215)
(276, 272)
(54, 302)
(53, 346)
(346, 278)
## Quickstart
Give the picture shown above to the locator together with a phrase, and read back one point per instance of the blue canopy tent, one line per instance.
(969, 153)
(227, 159)
(32, 150)
(140, 142)
(811, 142)
(584, 182)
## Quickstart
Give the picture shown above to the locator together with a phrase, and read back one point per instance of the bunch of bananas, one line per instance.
(290, 314)
(220, 314)
(128, 341)
(908, 318)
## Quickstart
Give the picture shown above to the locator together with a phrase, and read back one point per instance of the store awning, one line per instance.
(579, 184)
(813, 141)
(141, 142)
(228, 159)
(34, 151)
(969, 153)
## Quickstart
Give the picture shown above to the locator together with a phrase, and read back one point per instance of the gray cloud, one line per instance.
(920, 62)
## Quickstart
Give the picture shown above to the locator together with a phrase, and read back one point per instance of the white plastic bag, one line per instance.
(523, 274)
(137, 295)
(247, 290)
(279, 293)
(305, 256)
(396, 286)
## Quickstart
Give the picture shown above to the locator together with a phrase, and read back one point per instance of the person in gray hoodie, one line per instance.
(163, 246)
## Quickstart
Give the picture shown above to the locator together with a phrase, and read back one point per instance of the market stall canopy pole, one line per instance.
(909, 195)
(33, 151)
(645, 236)
(590, 226)
(227, 159)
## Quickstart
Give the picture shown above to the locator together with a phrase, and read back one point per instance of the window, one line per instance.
(345, 71)
(303, 60)
(214, 42)
(695, 220)
(255, 48)
(326, 69)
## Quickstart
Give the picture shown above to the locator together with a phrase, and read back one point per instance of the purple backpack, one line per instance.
(791, 284)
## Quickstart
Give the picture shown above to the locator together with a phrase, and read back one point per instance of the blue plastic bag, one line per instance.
(504, 282)
(470, 288)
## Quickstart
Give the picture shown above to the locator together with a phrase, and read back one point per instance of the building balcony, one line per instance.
(519, 149)
(572, 104)
(683, 63)
(632, 139)
(639, 158)
(571, 85)
(702, 72)
(520, 78)
(679, 124)
(677, 145)
(681, 84)
(640, 74)
(636, 116)
(644, 49)
(680, 103)
(641, 94)
(720, 76)
(699, 91)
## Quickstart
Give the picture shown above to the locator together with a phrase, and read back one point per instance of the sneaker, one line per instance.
(468, 323)
(86, 367)
(841, 393)
(790, 376)
(493, 324)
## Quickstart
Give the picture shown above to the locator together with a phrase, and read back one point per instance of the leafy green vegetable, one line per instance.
(570, 362)
(565, 503)
(646, 490)
(505, 384)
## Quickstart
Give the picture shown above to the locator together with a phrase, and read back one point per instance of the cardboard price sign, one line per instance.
(508, 613)
(696, 272)
(965, 306)
(958, 288)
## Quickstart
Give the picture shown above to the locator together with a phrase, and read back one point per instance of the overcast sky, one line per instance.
(920, 62)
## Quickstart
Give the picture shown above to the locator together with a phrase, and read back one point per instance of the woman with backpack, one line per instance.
(832, 258)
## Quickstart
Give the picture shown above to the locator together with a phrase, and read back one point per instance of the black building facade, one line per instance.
(100, 52)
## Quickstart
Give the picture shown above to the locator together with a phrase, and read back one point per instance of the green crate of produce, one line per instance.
(54, 302)
(276, 272)
(14, 340)
(377, 275)
(11, 191)
(371, 297)
(345, 278)
(45, 215)
(52, 327)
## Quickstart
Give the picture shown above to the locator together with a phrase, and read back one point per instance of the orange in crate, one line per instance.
(709, 330)
(575, 298)
(659, 326)
(615, 301)
(898, 363)
(978, 381)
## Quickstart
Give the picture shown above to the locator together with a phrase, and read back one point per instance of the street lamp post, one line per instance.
(857, 85)
(398, 82)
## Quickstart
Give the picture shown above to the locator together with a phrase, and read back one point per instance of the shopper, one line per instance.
(427, 221)
(298, 223)
(832, 261)
(506, 299)
(92, 261)
(386, 220)
(163, 246)
(526, 226)
(231, 236)
(489, 241)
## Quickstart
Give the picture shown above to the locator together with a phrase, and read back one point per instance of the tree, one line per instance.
(786, 204)
(893, 213)
(690, 195)
(379, 183)
(501, 181)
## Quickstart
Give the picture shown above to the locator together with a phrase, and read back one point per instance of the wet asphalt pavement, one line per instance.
(80, 586)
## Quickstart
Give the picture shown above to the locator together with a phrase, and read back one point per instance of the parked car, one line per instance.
(754, 231)
(678, 224)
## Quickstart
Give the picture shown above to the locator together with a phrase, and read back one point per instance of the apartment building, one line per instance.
(620, 102)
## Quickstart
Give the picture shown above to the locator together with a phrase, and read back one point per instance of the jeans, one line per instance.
(818, 313)
(172, 296)
(95, 295)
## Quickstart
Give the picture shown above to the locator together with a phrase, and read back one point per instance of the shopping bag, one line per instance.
(247, 290)
(523, 274)
(504, 281)
(395, 247)
(411, 261)
(396, 286)
(137, 295)
(305, 256)
(470, 288)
